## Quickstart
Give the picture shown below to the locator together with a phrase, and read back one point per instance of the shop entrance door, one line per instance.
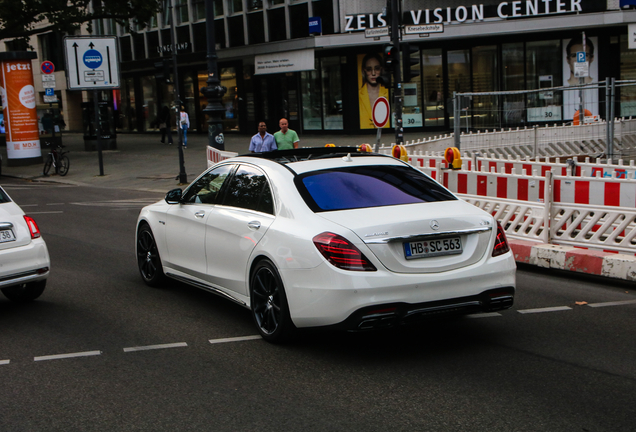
(278, 94)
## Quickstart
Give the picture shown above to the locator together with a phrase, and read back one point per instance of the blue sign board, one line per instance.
(580, 57)
(92, 59)
(315, 25)
(49, 92)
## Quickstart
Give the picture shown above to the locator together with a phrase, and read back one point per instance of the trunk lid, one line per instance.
(426, 227)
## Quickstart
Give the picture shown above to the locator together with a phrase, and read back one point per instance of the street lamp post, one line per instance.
(183, 177)
(214, 91)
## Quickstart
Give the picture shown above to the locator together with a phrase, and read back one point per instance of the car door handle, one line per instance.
(254, 225)
(199, 214)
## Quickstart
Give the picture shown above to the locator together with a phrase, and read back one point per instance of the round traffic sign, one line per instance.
(92, 59)
(47, 67)
(380, 112)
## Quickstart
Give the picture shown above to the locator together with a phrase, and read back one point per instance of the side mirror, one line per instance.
(174, 196)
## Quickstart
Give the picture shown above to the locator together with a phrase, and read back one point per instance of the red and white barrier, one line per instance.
(215, 155)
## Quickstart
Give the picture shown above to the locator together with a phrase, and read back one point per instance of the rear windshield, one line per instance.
(369, 186)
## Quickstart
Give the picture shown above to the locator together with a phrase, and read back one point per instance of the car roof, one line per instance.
(306, 159)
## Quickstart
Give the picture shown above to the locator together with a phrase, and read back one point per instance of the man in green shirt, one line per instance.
(286, 138)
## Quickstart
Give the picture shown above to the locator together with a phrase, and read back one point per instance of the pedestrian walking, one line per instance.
(286, 138)
(184, 122)
(164, 124)
(263, 141)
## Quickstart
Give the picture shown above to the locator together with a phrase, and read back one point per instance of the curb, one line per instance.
(607, 264)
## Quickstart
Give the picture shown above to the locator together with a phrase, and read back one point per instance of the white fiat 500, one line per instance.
(332, 237)
(24, 257)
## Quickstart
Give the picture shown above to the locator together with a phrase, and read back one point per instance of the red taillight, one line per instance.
(33, 227)
(342, 253)
(501, 243)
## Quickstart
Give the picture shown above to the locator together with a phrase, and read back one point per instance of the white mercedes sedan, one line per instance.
(327, 237)
(24, 257)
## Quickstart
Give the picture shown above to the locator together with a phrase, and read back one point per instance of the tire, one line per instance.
(25, 292)
(64, 165)
(148, 259)
(269, 306)
(47, 165)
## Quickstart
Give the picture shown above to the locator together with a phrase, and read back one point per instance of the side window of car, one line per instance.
(206, 189)
(249, 189)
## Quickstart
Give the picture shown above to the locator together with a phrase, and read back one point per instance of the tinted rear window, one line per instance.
(362, 187)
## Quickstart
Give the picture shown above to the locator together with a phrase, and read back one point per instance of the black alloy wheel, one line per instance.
(269, 304)
(148, 258)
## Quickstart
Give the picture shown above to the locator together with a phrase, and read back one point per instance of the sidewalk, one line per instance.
(141, 162)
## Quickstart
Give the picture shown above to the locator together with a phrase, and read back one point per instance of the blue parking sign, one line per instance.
(49, 92)
(580, 57)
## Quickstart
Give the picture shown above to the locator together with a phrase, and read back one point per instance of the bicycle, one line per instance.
(57, 157)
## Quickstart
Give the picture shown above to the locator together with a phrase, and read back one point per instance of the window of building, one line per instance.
(150, 108)
(152, 38)
(458, 81)
(17, 45)
(125, 48)
(513, 79)
(254, 5)
(51, 49)
(485, 109)
(276, 2)
(255, 28)
(139, 45)
(412, 91)
(237, 36)
(277, 25)
(321, 91)
(166, 15)
(433, 87)
(230, 99)
(126, 109)
(628, 72)
(544, 68)
(181, 9)
(298, 20)
(235, 6)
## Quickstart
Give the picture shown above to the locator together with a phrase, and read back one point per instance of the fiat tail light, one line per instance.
(341, 253)
(33, 227)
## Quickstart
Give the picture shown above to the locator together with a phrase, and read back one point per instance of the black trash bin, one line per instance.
(106, 122)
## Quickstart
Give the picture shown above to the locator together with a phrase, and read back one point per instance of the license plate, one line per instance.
(431, 248)
(6, 236)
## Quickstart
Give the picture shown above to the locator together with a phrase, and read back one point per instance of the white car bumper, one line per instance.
(325, 295)
(23, 264)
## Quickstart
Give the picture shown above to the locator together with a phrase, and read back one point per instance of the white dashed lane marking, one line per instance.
(4, 362)
(484, 315)
(154, 347)
(65, 356)
(234, 339)
(616, 303)
(546, 309)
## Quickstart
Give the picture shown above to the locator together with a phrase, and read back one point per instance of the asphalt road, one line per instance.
(100, 351)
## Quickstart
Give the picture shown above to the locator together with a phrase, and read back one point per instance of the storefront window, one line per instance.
(126, 108)
(485, 109)
(331, 93)
(149, 91)
(412, 109)
(513, 80)
(458, 81)
(230, 99)
(310, 84)
(628, 72)
(543, 70)
(188, 99)
(433, 87)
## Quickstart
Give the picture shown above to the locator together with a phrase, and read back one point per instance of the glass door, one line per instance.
(433, 87)
(458, 81)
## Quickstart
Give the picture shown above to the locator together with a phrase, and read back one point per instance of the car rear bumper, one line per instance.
(24, 264)
(326, 296)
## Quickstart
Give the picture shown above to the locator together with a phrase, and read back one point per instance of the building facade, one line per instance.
(314, 62)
